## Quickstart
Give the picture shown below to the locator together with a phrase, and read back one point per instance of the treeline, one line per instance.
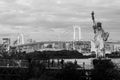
(64, 54)
(115, 54)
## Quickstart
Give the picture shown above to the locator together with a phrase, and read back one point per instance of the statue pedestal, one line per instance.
(101, 62)
(104, 69)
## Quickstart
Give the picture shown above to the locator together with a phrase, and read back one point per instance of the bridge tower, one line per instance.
(20, 39)
(76, 35)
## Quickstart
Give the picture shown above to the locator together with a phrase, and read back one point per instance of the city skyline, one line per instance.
(44, 20)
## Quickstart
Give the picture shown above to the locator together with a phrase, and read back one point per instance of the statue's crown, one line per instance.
(99, 24)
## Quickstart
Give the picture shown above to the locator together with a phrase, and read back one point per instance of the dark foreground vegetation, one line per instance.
(103, 70)
(37, 69)
(68, 72)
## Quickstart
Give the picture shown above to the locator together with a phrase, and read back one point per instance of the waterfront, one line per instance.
(52, 68)
(84, 63)
(87, 63)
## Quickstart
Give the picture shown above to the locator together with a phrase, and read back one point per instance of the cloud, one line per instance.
(24, 2)
(50, 17)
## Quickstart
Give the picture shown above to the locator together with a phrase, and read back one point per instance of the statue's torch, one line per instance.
(92, 14)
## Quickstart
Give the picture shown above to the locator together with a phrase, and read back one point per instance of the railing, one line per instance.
(12, 63)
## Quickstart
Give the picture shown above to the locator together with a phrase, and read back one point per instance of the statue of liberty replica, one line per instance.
(100, 38)
(103, 68)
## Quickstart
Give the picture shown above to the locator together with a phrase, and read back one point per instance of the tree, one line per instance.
(104, 70)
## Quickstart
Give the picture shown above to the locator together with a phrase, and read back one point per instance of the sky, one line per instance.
(51, 20)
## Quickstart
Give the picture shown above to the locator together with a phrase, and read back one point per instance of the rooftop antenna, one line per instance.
(22, 39)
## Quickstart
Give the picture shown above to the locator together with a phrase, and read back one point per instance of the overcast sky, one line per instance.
(54, 19)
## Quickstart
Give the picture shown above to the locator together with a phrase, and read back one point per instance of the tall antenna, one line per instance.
(22, 39)
(18, 41)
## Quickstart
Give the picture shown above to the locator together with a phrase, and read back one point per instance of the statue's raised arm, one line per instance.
(93, 18)
(94, 23)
